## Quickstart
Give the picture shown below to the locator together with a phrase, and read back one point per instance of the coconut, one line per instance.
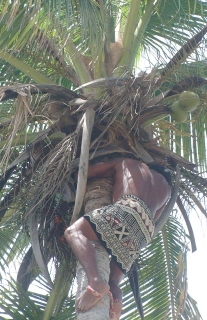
(177, 113)
(189, 100)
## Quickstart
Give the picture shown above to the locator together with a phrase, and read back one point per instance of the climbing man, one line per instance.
(123, 228)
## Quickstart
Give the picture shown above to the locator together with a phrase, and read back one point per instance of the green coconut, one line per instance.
(189, 100)
(177, 113)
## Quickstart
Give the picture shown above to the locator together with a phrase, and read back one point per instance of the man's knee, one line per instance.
(80, 228)
(68, 234)
(74, 231)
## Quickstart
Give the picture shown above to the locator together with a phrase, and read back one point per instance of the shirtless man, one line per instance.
(123, 228)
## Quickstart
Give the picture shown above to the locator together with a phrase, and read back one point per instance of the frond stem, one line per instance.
(128, 36)
(25, 68)
(188, 224)
(58, 292)
(143, 23)
(166, 249)
(78, 63)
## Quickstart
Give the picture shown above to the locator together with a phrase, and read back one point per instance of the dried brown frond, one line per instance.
(187, 49)
(57, 168)
(186, 84)
(48, 44)
(17, 125)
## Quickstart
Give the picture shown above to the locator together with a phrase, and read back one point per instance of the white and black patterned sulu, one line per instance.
(123, 228)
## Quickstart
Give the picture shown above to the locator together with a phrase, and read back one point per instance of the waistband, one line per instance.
(128, 200)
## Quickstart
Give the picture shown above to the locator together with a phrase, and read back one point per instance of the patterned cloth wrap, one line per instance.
(123, 228)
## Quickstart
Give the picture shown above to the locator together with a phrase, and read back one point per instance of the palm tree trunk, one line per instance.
(98, 194)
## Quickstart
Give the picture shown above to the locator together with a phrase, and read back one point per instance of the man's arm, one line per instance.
(158, 213)
(102, 169)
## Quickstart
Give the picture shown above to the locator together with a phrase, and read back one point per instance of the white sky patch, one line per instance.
(197, 264)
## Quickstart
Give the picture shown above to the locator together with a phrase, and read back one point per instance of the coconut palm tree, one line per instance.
(73, 91)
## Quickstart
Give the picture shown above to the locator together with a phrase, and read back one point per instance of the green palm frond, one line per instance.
(166, 21)
(20, 305)
(86, 25)
(11, 254)
(163, 278)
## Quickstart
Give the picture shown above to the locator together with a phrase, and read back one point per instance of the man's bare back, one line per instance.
(132, 177)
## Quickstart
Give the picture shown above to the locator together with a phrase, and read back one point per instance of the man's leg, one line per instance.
(116, 276)
(79, 236)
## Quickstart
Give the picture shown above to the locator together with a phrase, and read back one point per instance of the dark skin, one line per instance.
(131, 177)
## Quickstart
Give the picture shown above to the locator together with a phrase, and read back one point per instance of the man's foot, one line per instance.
(115, 300)
(91, 296)
(115, 308)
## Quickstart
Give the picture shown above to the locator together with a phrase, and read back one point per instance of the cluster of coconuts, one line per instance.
(187, 101)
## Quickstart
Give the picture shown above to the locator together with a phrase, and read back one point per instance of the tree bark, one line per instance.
(98, 194)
